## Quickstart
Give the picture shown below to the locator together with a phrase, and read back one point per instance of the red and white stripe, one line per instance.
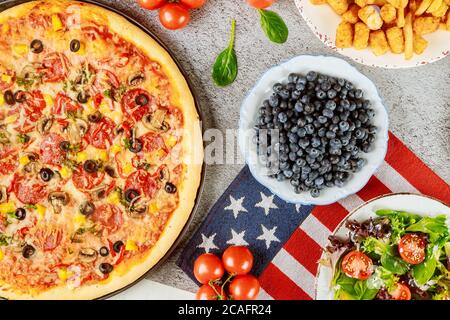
(291, 274)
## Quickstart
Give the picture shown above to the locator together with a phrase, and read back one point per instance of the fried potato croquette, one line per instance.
(371, 17)
(352, 14)
(395, 39)
(424, 25)
(395, 26)
(388, 13)
(361, 39)
(344, 35)
(339, 6)
(420, 44)
(378, 42)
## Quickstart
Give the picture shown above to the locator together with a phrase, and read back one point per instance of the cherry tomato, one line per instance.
(244, 287)
(260, 4)
(207, 292)
(174, 16)
(193, 4)
(208, 267)
(402, 292)
(357, 265)
(238, 260)
(411, 248)
(151, 4)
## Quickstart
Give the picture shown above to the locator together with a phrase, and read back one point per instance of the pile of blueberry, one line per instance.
(323, 125)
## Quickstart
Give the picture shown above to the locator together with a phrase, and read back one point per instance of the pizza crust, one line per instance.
(181, 97)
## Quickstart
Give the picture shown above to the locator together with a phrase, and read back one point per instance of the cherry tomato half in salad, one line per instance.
(260, 4)
(208, 267)
(244, 287)
(411, 248)
(151, 4)
(174, 16)
(357, 265)
(238, 260)
(193, 4)
(402, 292)
(207, 292)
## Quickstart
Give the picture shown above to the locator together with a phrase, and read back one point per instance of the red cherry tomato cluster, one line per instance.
(173, 14)
(237, 261)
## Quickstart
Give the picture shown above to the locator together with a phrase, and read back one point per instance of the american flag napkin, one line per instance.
(287, 239)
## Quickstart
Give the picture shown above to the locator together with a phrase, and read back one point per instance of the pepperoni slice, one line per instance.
(8, 160)
(49, 239)
(4, 85)
(55, 67)
(51, 153)
(86, 181)
(65, 104)
(32, 108)
(143, 182)
(151, 142)
(130, 107)
(105, 79)
(29, 190)
(101, 134)
(109, 216)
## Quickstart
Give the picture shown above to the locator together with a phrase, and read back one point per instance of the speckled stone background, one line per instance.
(418, 100)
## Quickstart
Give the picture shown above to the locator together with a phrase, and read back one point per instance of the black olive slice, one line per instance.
(87, 208)
(9, 97)
(90, 166)
(46, 174)
(36, 46)
(75, 45)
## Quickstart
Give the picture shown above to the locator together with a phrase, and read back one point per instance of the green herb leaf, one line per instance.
(435, 227)
(274, 26)
(225, 68)
(4, 239)
(30, 206)
(127, 143)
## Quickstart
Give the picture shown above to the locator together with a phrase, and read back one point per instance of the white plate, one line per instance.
(263, 89)
(323, 21)
(418, 204)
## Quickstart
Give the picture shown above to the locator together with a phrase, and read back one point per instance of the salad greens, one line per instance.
(429, 278)
(225, 68)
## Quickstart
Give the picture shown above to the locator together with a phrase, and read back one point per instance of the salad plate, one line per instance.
(387, 220)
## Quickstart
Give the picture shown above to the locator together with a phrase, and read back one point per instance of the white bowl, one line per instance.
(263, 89)
(418, 204)
(323, 21)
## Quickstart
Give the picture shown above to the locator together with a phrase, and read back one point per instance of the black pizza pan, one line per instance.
(6, 4)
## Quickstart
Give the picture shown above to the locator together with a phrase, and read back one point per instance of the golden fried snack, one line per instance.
(378, 42)
(409, 37)
(396, 3)
(361, 39)
(435, 5)
(379, 3)
(388, 13)
(371, 17)
(362, 3)
(424, 25)
(423, 7)
(352, 14)
(344, 35)
(339, 6)
(420, 44)
(441, 11)
(395, 39)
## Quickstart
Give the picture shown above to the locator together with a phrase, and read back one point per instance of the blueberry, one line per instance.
(296, 168)
(301, 132)
(294, 147)
(282, 117)
(283, 105)
(332, 93)
(319, 181)
(281, 177)
(330, 135)
(292, 156)
(284, 94)
(301, 122)
(359, 94)
(305, 99)
(293, 77)
(288, 173)
(322, 119)
(328, 113)
(321, 95)
(274, 100)
(295, 182)
(314, 153)
(309, 108)
(315, 142)
(300, 162)
(344, 126)
(322, 132)
(359, 133)
(303, 143)
(311, 76)
(331, 105)
(277, 87)
(345, 104)
(326, 85)
(315, 193)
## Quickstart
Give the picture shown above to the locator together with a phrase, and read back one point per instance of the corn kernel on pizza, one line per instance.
(396, 26)
(100, 151)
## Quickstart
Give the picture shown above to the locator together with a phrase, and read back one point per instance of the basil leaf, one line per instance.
(225, 68)
(274, 26)
(394, 264)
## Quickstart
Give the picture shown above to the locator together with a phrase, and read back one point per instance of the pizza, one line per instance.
(100, 151)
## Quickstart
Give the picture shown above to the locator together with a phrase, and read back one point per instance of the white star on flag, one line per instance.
(236, 206)
(237, 239)
(268, 236)
(208, 243)
(266, 203)
(297, 207)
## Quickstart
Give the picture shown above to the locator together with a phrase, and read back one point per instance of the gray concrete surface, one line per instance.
(418, 99)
